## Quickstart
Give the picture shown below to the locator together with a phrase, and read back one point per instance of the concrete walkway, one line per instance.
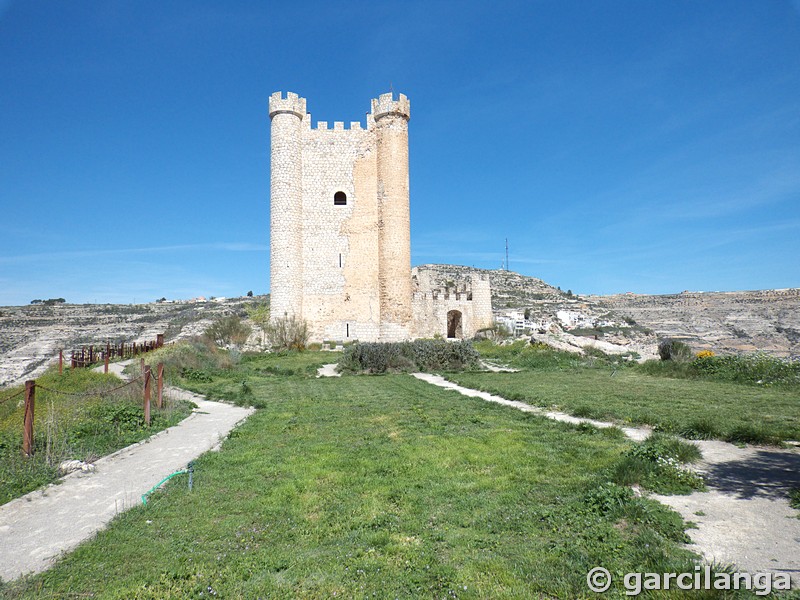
(40, 526)
(743, 519)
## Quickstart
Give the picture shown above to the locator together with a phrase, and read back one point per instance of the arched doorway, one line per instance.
(454, 329)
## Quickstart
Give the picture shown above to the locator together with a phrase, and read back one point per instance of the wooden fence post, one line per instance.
(105, 366)
(160, 384)
(146, 373)
(27, 429)
(141, 366)
(159, 340)
(61, 361)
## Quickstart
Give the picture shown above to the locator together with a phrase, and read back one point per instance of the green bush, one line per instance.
(675, 350)
(419, 355)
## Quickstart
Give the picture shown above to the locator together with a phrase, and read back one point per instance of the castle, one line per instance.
(340, 238)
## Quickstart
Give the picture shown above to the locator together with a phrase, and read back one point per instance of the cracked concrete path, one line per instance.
(39, 527)
(744, 518)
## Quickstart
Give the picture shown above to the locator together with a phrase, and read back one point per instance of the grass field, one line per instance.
(691, 408)
(76, 420)
(376, 487)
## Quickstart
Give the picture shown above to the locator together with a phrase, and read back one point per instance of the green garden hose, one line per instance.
(189, 470)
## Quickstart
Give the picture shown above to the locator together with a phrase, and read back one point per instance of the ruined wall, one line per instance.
(470, 295)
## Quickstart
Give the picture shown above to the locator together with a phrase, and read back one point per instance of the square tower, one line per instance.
(340, 239)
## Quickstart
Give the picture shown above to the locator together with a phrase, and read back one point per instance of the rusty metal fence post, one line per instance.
(146, 375)
(27, 428)
(160, 384)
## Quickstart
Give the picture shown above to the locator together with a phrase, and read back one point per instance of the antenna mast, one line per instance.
(506, 254)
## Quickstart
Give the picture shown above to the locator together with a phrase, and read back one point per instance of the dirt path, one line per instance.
(743, 519)
(38, 527)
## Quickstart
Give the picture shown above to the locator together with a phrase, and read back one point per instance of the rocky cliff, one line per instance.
(30, 336)
(766, 320)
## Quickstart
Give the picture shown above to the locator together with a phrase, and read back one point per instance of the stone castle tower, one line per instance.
(340, 238)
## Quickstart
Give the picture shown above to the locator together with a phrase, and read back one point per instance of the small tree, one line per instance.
(250, 294)
(259, 314)
(228, 331)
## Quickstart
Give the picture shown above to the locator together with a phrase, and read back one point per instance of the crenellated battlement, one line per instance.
(385, 105)
(338, 126)
(340, 249)
(292, 104)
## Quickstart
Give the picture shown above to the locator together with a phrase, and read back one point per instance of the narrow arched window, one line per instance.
(340, 199)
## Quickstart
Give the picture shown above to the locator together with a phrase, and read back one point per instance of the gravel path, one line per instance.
(743, 519)
(38, 527)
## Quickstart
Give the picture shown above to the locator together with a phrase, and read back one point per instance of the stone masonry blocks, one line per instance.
(345, 268)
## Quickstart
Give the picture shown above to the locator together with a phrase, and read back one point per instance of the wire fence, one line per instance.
(93, 354)
(75, 416)
(11, 397)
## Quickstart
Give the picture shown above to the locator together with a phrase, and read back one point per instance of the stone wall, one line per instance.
(345, 268)
(469, 295)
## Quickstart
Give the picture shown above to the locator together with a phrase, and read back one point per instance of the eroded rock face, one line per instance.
(30, 336)
(728, 322)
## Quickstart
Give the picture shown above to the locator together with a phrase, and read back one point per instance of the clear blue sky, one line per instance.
(620, 146)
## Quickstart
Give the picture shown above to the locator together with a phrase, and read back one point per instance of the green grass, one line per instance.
(689, 408)
(380, 486)
(68, 427)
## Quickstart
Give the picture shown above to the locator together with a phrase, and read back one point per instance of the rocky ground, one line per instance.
(31, 336)
(726, 322)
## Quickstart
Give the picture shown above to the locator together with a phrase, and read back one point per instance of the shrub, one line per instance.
(675, 350)
(259, 314)
(419, 355)
(228, 331)
(287, 333)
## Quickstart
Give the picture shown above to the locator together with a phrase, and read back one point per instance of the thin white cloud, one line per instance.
(72, 254)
